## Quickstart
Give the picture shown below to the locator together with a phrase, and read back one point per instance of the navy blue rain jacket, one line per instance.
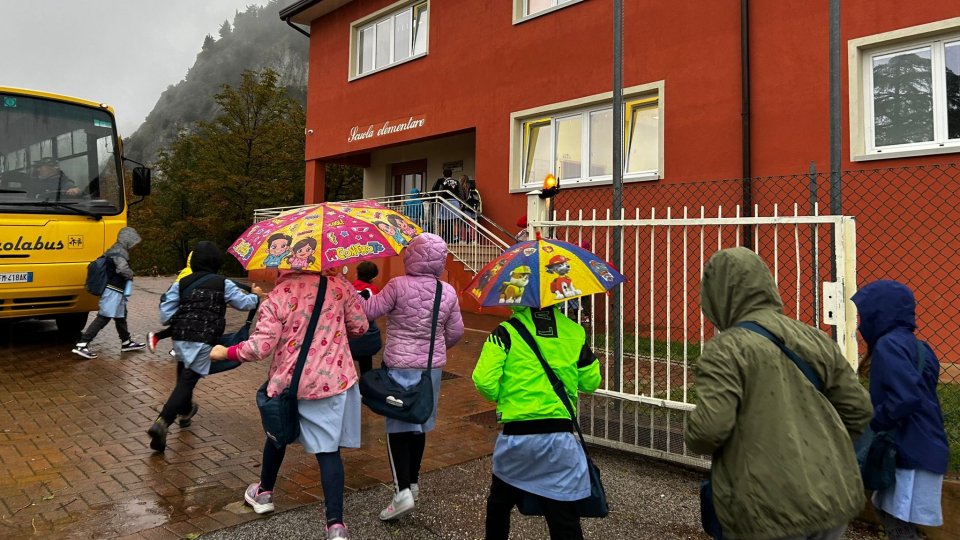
(904, 399)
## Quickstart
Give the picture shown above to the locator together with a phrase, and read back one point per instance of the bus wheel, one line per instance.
(72, 324)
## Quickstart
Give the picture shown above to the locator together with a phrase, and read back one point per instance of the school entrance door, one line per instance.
(409, 175)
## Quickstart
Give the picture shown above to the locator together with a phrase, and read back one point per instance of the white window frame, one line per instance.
(387, 14)
(520, 8)
(860, 55)
(642, 96)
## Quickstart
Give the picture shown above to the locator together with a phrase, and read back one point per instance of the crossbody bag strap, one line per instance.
(555, 381)
(804, 367)
(308, 338)
(433, 324)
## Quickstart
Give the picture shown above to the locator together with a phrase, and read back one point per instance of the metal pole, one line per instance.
(814, 231)
(745, 118)
(617, 303)
(836, 208)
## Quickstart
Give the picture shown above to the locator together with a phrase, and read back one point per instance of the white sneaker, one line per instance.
(415, 490)
(401, 505)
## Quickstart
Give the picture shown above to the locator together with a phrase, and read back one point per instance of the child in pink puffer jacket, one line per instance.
(407, 301)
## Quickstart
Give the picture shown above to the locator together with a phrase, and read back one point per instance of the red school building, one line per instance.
(506, 91)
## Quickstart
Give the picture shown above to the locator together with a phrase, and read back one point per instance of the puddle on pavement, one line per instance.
(143, 513)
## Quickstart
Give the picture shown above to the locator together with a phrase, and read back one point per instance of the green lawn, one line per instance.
(642, 345)
(950, 403)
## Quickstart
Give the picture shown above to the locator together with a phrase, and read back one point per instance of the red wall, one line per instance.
(480, 68)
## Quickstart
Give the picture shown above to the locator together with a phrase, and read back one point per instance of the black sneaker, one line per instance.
(186, 419)
(81, 349)
(158, 435)
(130, 345)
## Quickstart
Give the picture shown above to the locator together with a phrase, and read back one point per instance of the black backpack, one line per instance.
(97, 276)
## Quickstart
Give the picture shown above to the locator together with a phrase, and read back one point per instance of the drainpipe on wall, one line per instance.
(745, 117)
(297, 28)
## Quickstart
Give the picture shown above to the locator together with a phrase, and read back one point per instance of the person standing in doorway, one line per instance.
(446, 214)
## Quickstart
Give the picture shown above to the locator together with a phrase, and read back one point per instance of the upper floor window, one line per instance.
(909, 94)
(577, 145)
(390, 38)
(526, 9)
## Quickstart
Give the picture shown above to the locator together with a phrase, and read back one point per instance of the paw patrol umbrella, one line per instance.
(540, 273)
(322, 236)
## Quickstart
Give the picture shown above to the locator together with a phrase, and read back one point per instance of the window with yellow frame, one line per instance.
(576, 145)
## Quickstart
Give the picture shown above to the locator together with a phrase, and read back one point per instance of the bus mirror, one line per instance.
(141, 181)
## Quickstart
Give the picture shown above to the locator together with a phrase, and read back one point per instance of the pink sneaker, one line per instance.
(338, 530)
(261, 501)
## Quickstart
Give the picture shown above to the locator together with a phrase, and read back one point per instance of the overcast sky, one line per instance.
(120, 52)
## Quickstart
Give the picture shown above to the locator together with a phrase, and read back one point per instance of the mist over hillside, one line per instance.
(255, 40)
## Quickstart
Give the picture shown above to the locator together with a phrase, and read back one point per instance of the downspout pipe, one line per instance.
(745, 117)
(297, 28)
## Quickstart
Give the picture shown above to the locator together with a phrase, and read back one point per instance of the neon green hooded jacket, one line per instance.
(509, 373)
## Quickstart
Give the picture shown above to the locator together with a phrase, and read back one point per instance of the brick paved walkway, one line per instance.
(74, 460)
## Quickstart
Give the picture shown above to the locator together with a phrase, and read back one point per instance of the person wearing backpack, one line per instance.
(113, 300)
(449, 189)
(904, 373)
(153, 338)
(781, 440)
(195, 308)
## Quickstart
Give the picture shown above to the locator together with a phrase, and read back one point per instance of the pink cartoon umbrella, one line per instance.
(322, 236)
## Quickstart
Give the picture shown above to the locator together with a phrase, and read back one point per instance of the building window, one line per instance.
(530, 8)
(392, 37)
(576, 145)
(906, 99)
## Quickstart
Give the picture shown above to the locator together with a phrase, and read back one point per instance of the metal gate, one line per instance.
(649, 390)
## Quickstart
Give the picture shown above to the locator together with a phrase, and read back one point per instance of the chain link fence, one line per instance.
(907, 229)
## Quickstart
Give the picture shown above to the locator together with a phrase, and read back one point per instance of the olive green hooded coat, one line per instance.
(783, 459)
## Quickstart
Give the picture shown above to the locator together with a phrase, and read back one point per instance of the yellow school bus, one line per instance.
(62, 202)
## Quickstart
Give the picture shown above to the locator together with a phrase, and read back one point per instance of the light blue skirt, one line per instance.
(408, 378)
(552, 465)
(330, 423)
(113, 304)
(915, 498)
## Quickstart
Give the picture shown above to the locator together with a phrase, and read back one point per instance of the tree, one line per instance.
(225, 29)
(215, 174)
(343, 183)
(903, 100)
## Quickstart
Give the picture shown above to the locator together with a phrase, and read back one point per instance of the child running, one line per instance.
(194, 308)
(153, 338)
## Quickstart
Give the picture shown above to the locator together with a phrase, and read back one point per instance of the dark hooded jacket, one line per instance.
(904, 398)
(783, 459)
(201, 314)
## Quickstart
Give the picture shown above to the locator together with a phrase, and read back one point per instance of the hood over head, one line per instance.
(128, 237)
(884, 305)
(737, 283)
(425, 255)
(206, 257)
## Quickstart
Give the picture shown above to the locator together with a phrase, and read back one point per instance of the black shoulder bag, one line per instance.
(387, 397)
(279, 414)
(595, 504)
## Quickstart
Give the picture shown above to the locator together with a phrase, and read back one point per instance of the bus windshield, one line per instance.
(57, 158)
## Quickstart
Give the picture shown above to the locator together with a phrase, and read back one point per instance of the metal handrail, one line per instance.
(433, 205)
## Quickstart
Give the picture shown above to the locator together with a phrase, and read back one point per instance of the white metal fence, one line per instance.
(648, 392)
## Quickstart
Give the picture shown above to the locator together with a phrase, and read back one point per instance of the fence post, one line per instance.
(846, 264)
(814, 232)
(536, 212)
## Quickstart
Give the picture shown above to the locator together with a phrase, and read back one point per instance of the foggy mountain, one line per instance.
(257, 39)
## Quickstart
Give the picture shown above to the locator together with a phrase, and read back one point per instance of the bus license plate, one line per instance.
(16, 277)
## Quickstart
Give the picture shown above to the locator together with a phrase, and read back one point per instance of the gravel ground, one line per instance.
(648, 499)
